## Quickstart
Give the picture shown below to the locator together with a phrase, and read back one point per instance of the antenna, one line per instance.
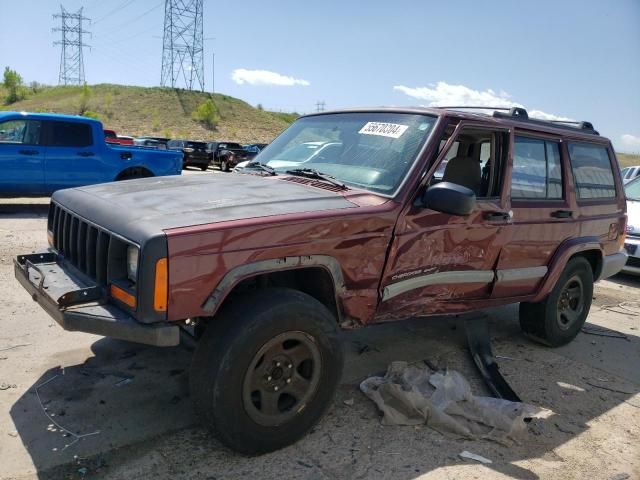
(71, 57)
(182, 45)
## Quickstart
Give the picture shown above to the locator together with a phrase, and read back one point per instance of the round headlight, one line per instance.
(132, 262)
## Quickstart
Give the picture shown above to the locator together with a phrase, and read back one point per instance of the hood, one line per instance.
(139, 209)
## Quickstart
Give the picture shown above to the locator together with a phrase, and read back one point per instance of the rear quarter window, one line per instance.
(70, 134)
(592, 171)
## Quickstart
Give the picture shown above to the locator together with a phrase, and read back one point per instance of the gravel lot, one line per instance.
(136, 397)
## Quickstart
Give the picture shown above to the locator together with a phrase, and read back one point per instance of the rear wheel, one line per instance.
(266, 369)
(557, 319)
(224, 166)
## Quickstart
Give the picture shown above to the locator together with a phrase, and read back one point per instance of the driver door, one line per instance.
(439, 261)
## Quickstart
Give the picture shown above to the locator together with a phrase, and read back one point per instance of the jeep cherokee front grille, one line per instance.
(84, 245)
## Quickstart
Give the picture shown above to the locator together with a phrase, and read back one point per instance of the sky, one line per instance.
(568, 59)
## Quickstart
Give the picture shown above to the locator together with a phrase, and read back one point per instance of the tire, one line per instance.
(247, 353)
(204, 168)
(557, 319)
(224, 166)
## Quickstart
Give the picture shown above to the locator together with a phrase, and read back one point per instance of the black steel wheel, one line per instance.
(281, 378)
(557, 319)
(266, 368)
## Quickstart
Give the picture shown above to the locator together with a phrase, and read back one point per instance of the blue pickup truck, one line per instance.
(41, 153)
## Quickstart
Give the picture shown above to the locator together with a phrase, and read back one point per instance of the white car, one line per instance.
(629, 173)
(632, 242)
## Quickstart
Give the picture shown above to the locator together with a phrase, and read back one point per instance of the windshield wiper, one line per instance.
(261, 166)
(313, 173)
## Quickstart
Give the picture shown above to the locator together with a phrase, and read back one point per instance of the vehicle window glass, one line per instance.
(372, 150)
(592, 171)
(25, 132)
(625, 172)
(70, 134)
(632, 190)
(537, 172)
(475, 160)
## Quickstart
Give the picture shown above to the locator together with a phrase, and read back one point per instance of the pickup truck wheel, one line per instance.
(266, 369)
(557, 320)
(224, 166)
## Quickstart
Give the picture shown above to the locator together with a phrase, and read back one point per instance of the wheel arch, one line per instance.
(138, 171)
(586, 247)
(319, 276)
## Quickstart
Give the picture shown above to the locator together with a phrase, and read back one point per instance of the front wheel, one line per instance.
(266, 369)
(224, 166)
(557, 319)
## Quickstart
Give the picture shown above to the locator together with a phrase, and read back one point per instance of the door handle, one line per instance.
(86, 154)
(496, 216)
(562, 214)
(28, 152)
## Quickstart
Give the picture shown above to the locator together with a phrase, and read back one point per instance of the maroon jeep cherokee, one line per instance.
(382, 214)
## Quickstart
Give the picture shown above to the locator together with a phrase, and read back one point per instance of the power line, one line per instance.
(71, 55)
(123, 5)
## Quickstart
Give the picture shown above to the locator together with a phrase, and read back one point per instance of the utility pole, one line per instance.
(71, 56)
(182, 45)
(320, 106)
(213, 73)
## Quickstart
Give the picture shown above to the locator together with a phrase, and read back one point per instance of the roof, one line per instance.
(47, 116)
(499, 120)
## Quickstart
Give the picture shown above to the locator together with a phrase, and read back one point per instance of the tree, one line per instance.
(13, 83)
(207, 113)
(84, 98)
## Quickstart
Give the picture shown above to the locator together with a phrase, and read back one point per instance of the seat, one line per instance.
(464, 171)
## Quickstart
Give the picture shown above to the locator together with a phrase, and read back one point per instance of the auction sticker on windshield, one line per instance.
(392, 130)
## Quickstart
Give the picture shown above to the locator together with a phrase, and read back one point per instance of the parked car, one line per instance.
(110, 136)
(195, 153)
(255, 147)
(629, 173)
(149, 142)
(295, 156)
(269, 268)
(226, 155)
(632, 243)
(41, 153)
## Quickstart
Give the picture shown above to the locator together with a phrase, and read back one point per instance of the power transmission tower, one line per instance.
(71, 58)
(182, 45)
(320, 106)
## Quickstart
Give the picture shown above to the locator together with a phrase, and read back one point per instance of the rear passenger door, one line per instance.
(22, 157)
(542, 214)
(72, 158)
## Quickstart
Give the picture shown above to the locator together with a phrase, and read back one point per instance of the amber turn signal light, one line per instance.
(124, 297)
(161, 286)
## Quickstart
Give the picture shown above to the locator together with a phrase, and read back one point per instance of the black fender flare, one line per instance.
(248, 270)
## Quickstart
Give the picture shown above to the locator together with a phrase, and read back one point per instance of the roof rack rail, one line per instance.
(521, 114)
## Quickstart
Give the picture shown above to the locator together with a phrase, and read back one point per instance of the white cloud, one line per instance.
(630, 142)
(264, 77)
(443, 94)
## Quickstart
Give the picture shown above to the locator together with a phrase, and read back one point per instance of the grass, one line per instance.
(628, 159)
(156, 111)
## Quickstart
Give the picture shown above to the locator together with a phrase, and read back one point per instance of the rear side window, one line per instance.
(592, 171)
(537, 172)
(69, 134)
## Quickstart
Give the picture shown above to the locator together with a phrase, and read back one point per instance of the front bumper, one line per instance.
(632, 247)
(78, 305)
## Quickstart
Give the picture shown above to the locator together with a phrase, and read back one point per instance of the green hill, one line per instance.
(628, 159)
(138, 111)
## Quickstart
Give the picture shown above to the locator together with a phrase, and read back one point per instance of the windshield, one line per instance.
(632, 189)
(367, 150)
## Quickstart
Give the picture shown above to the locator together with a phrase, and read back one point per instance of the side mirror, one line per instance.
(451, 198)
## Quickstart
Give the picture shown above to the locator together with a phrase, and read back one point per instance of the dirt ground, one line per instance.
(128, 407)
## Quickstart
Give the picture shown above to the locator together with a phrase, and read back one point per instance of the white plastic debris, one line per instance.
(414, 395)
(473, 456)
